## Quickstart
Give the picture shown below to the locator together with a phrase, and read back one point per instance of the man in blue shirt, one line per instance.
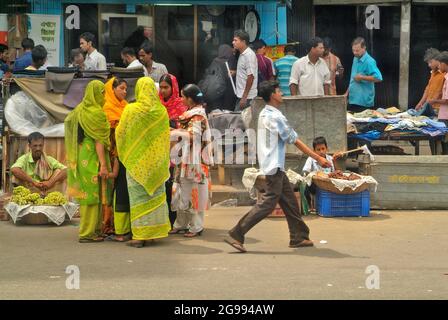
(283, 68)
(273, 134)
(26, 59)
(365, 73)
(4, 66)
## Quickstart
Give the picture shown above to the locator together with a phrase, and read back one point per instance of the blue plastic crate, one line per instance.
(329, 204)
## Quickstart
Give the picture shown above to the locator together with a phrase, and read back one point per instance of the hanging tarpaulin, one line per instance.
(45, 30)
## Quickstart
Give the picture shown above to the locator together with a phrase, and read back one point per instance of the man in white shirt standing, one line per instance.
(246, 71)
(310, 75)
(273, 134)
(94, 60)
(154, 69)
(129, 58)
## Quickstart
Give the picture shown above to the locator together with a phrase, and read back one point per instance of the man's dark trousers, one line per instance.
(278, 190)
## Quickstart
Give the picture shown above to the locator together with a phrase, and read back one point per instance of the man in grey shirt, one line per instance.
(154, 70)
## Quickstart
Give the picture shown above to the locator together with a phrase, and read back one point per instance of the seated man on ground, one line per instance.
(37, 171)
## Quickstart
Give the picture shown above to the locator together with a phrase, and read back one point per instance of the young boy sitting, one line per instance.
(321, 148)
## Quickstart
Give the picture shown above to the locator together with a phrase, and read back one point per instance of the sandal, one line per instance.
(98, 239)
(119, 238)
(136, 243)
(178, 231)
(236, 245)
(192, 234)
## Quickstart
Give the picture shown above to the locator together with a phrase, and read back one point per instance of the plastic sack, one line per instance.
(25, 116)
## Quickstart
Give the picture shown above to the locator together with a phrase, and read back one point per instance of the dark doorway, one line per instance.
(429, 28)
(88, 23)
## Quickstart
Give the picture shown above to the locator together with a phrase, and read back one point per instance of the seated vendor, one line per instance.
(35, 170)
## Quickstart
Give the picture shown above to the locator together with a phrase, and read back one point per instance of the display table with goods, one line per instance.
(342, 194)
(392, 124)
(33, 208)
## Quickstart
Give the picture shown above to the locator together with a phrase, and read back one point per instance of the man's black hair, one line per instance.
(258, 44)
(319, 140)
(146, 47)
(430, 54)
(128, 51)
(88, 37)
(39, 54)
(3, 48)
(289, 48)
(442, 57)
(267, 88)
(243, 35)
(27, 44)
(359, 40)
(35, 136)
(328, 44)
(313, 43)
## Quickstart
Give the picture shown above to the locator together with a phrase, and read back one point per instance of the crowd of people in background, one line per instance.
(245, 64)
(119, 165)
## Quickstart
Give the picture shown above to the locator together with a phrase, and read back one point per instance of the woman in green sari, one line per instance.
(143, 144)
(87, 134)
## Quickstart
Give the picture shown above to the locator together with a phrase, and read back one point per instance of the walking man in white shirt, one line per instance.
(310, 75)
(273, 134)
(129, 58)
(94, 60)
(246, 71)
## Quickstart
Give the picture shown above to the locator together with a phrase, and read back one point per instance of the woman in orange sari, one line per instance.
(115, 102)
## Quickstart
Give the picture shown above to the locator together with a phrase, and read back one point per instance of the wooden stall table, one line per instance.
(413, 137)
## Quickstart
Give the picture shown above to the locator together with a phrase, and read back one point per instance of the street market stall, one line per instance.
(393, 125)
(40, 102)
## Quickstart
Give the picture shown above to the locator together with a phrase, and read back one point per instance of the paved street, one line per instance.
(409, 248)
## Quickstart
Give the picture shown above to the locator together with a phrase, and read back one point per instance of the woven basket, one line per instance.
(325, 183)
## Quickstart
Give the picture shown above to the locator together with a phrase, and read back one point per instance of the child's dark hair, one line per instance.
(75, 52)
(166, 78)
(192, 91)
(117, 82)
(319, 140)
(267, 88)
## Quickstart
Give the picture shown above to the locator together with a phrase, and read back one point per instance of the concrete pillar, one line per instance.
(405, 39)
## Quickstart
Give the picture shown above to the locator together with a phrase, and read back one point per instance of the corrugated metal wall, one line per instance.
(301, 23)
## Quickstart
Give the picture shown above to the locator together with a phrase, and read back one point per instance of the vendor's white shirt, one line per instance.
(310, 77)
(95, 61)
(137, 64)
(312, 165)
(247, 65)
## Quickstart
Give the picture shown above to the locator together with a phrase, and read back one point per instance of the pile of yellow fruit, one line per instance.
(23, 196)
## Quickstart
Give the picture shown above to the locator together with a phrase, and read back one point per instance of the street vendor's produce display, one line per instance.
(338, 174)
(23, 196)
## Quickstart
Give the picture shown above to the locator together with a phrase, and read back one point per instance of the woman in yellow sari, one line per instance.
(118, 221)
(143, 144)
(87, 141)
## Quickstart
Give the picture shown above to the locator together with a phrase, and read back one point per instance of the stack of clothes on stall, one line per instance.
(373, 124)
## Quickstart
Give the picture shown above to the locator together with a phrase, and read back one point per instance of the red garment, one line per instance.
(174, 105)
